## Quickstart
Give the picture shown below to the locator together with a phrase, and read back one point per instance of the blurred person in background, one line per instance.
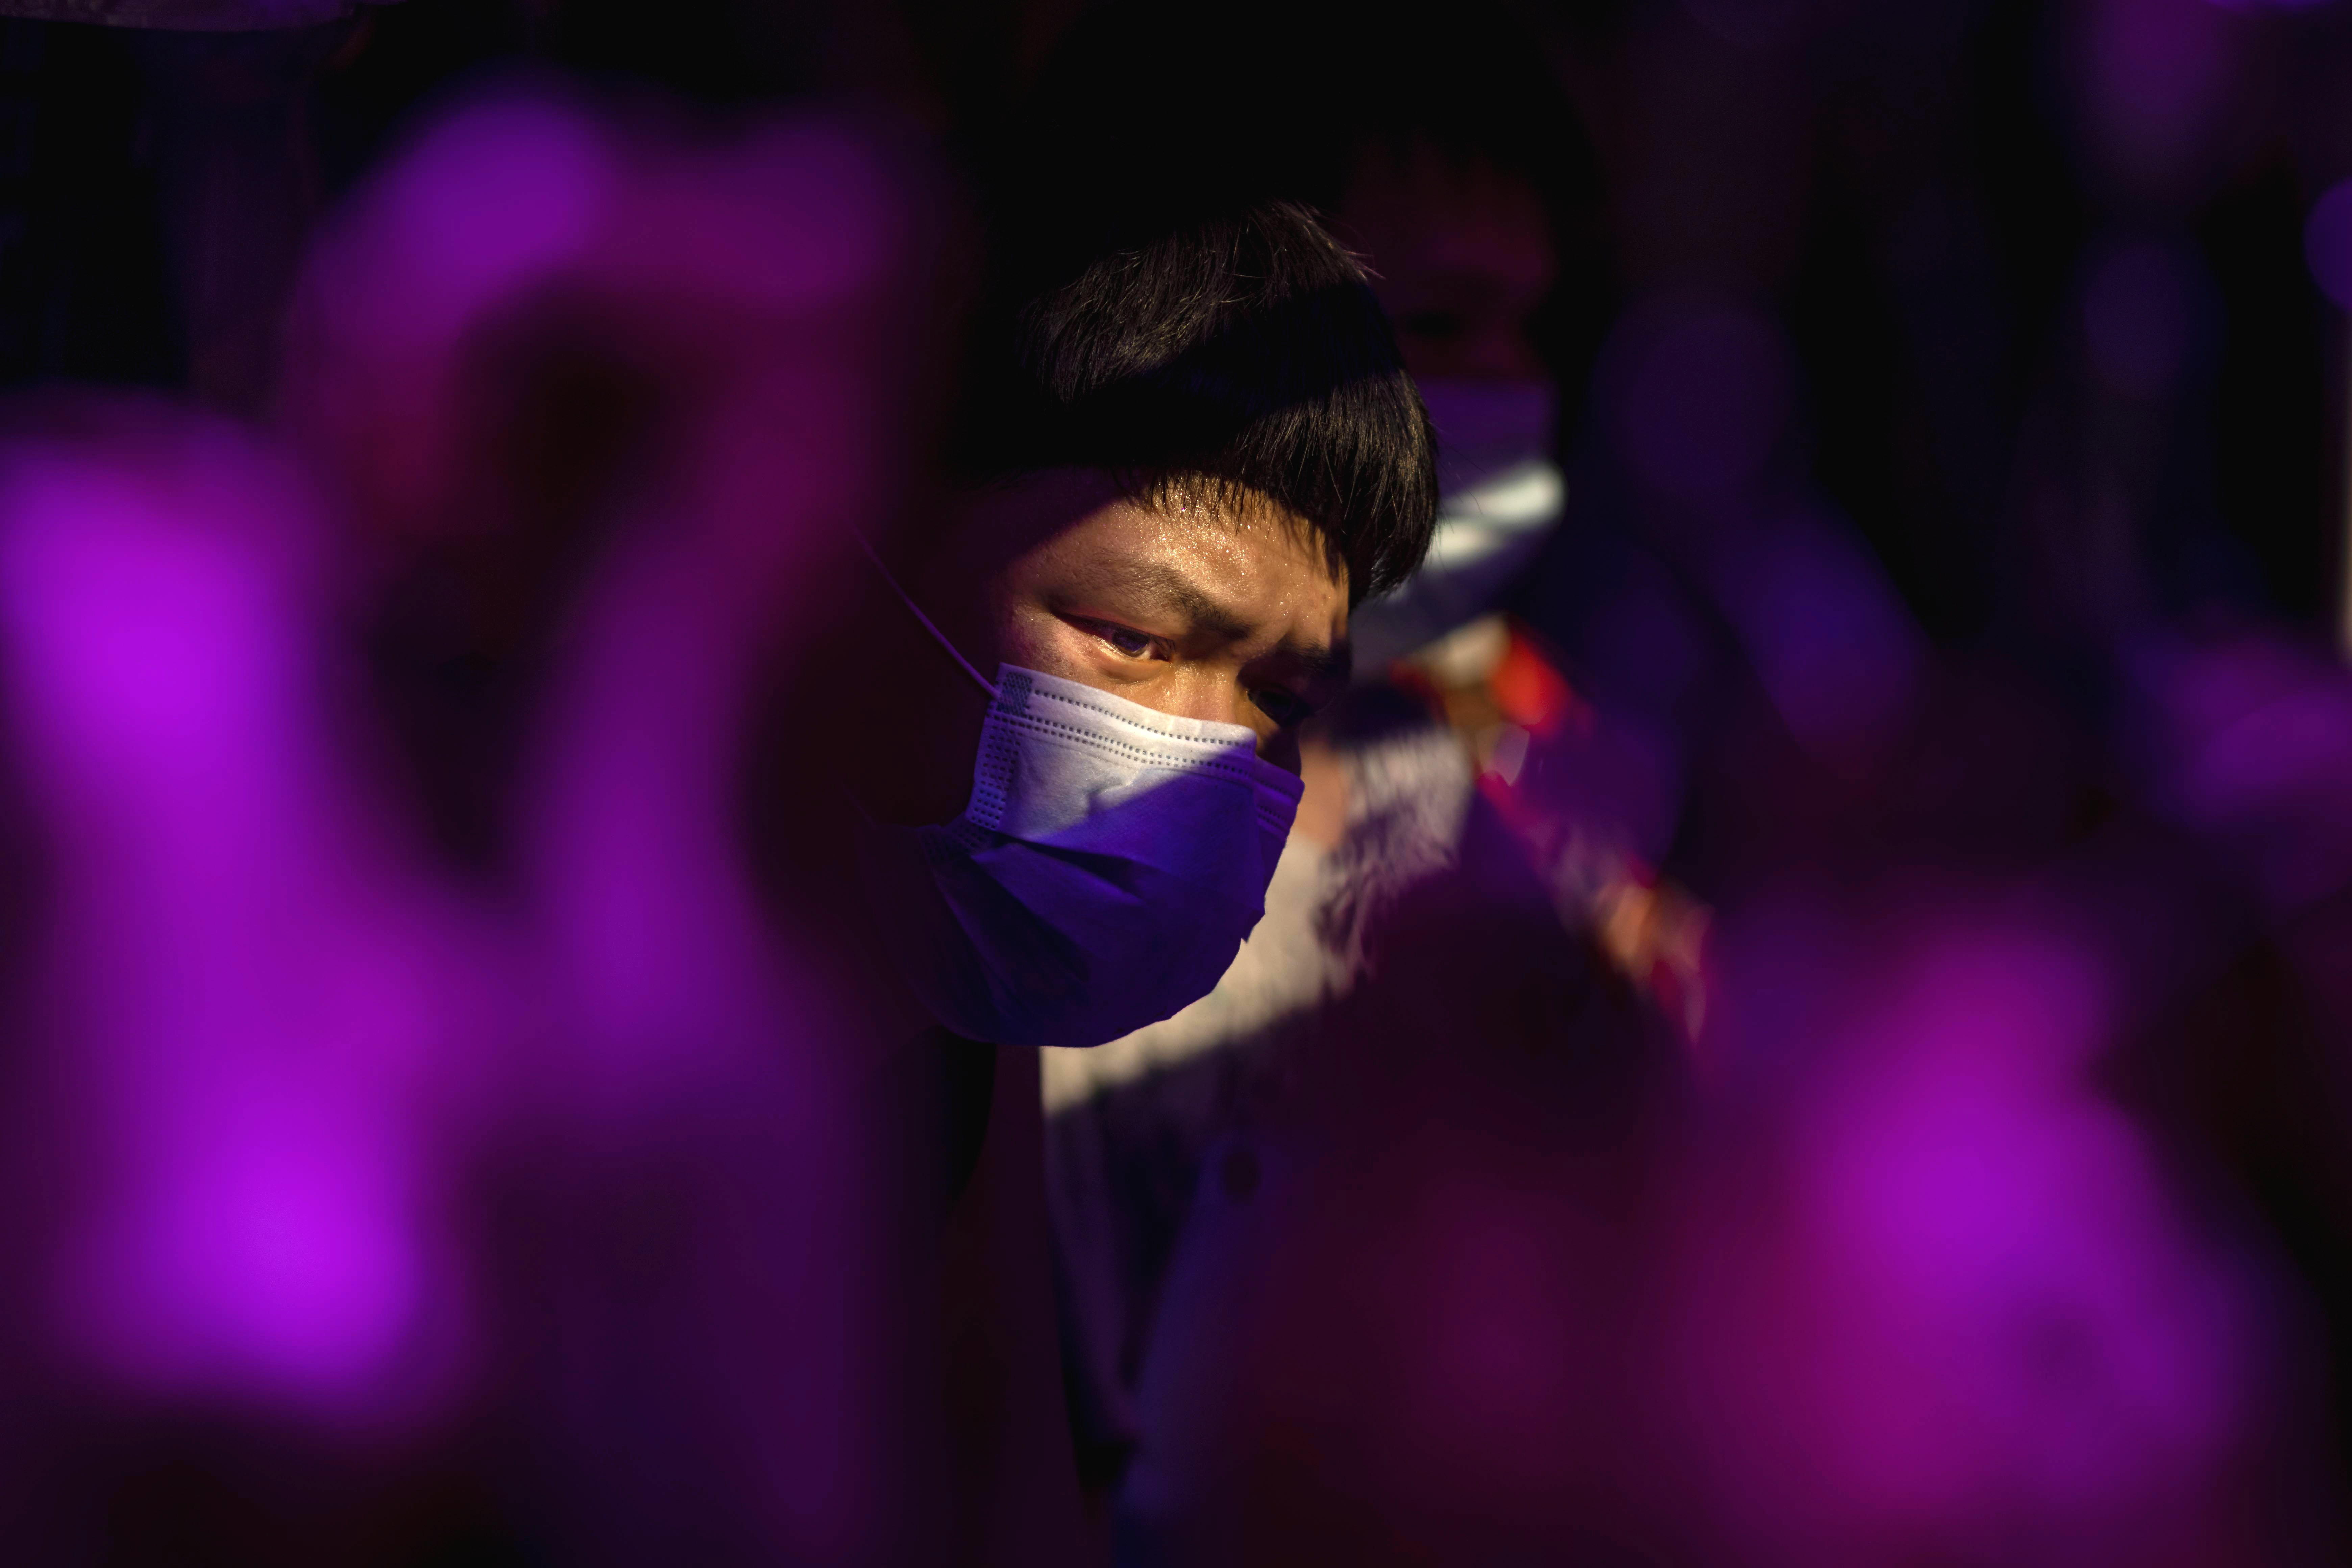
(606, 397)
(538, 1202)
(253, 1041)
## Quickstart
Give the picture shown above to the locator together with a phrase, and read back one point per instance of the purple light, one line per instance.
(2328, 243)
(2140, 318)
(270, 1250)
(492, 198)
(1705, 402)
(249, 1037)
(149, 648)
(2160, 74)
(1831, 641)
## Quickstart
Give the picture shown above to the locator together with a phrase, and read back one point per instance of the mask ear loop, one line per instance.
(936, 636)
(917, 611)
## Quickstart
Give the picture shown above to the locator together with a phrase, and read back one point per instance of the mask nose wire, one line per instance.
(917, 611)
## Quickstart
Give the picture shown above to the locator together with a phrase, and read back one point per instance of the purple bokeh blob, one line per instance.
(2140, 318)
(2328, 243)
(1704, 401)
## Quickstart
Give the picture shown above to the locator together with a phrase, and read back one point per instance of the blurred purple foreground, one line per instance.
(418, 1144)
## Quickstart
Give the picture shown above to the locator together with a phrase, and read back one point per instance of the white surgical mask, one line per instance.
(1109, 863)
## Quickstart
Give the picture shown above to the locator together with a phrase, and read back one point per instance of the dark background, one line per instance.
(1921, 192)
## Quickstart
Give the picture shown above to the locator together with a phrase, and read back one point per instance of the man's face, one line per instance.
(1202, 609)
(1199, 609)
(1205, 611)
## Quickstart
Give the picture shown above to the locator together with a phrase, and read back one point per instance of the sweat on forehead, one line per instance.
(1209, 498)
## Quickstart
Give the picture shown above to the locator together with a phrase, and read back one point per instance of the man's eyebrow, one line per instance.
(1179, 593)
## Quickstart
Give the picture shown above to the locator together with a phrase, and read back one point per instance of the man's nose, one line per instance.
(1221, 698)
(1213, 697)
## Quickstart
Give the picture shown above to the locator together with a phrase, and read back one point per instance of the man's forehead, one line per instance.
(1255, 562)
(1206, 511)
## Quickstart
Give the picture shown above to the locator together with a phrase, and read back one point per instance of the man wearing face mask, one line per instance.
(1187, 449)
(1446, 153)
(1067, 700)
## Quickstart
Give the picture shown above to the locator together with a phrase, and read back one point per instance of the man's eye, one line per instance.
(1127, 639)
(1285, 708)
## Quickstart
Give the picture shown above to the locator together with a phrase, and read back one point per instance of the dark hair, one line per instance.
(1223, 352)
